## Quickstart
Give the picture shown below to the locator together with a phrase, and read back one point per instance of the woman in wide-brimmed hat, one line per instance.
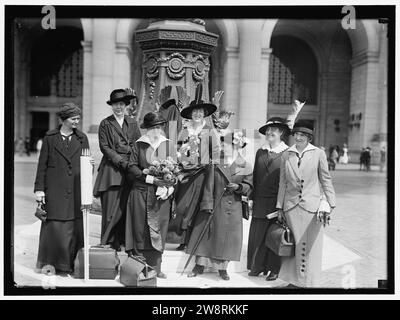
(198, 144)
(117, 135)
(230, 180)
(148, 216)
(266, 184)
(304, 184)
(57, 185)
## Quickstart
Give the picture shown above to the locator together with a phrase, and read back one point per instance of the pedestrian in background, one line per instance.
(303, 174)
(344, 158)
(57, 186)
(362, 159)
(27, 146)
(368, 154)
(383, 158)
(117, 135)
(20, 148)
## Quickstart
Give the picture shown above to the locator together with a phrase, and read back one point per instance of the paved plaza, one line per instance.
(354, 253)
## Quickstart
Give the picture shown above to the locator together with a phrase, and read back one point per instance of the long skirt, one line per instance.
(187, 207)
(216, 264)
(259, 257)
(113, 207)
(137, 235)
(59, 242)
(304, 269)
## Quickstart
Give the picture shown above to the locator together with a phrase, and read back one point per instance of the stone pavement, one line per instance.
(354, 244)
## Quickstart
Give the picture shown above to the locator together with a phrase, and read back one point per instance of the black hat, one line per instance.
(68, 110)
(275, 122)
(120, 95)
(152, 119)
(303, 126)
(198, 103)
(168, 103)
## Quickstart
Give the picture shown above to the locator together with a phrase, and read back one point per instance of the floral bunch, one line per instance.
(190, 148)
(166, 169)
(239, 140)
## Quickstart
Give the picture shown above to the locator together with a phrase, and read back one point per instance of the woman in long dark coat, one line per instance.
(204, 146)
(117, 135)
(147, 216)
(266, 185)
(222, 203)
(57, 185)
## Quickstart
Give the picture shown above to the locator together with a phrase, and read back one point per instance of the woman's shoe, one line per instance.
(181, 247)
(272, 276)
(255, 273)
(196, 270)
(161, 275)
(223, 274)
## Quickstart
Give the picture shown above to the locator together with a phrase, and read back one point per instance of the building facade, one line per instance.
(262, 65)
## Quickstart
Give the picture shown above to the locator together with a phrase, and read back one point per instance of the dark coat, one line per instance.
(58, 174)
(116, 145)
(223, 239)
(147, 217)
(266, 182)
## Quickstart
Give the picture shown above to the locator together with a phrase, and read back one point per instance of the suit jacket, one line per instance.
(58, 174)
(116, 145)
(266, 182)
(304, 185)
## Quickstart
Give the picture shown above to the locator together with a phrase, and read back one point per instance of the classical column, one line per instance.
(264, 79)
(87, 108)
(122, 65)
(383, 60)
(103, 49)
(250, 106)
(231, 85)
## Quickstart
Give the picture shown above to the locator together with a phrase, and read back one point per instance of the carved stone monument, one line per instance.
(176, 53)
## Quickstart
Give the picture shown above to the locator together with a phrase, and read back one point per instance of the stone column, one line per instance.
(122, 75)
(383, 61)
(87, 108)
(264, 79)
(230, 99)
(103, 49)
(250, 106)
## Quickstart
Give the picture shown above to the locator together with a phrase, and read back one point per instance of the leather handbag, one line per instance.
(40, 213)
(135, 272)
(245, 208)
(103, 263)
(280, 240)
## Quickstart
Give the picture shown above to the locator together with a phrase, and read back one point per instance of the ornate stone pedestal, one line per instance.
(176, 53)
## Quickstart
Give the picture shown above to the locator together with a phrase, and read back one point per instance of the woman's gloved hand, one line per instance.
(40, 197)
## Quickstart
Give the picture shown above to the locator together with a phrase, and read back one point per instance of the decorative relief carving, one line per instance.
(151, 66)
(201, 65)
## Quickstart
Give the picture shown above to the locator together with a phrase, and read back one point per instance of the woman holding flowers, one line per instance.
(198, 145)
(153, 174)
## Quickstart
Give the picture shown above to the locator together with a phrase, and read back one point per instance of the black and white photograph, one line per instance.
(247, 150)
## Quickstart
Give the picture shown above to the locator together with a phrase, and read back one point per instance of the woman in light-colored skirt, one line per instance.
(303, 175)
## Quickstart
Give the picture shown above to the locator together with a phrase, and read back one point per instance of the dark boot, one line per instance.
(198, 269)
(181, 247)
(272, 276)
(223, 274)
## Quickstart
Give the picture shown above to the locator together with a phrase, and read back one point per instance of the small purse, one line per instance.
(40, 213)
(280, 240)
(245, 208)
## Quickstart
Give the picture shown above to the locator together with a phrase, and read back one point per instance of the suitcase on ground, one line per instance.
(135, 272)
(103, 263)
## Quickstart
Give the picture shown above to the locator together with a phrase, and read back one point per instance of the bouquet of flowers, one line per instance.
(190, 148)
(166, 170)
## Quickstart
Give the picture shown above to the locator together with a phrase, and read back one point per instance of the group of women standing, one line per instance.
(207, 202)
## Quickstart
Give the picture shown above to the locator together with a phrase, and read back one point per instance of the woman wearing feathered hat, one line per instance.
(117, 135)
(198, 145)
(266, 184)
(57, 186)
(147, 214)
(230, 180)
(303, 186)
